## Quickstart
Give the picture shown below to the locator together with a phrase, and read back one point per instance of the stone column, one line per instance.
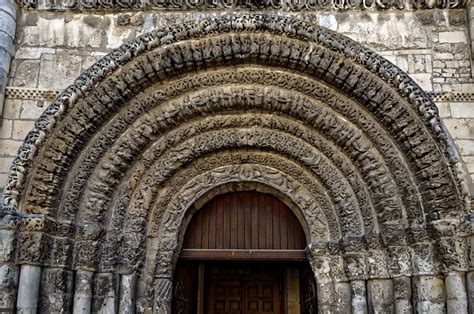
(356, 270)
(163, 295)
(456, 297)
(7, 50)
(342, 296)
(380, 296)
(56, 290)
(402, 295)
(321, 266)
(326, 296)
(342, 288)
(104, 299)
(470, 290)
(358, 297)
(128, 290)
(28, 288)
(143, 302)
(8, 271)
(470, 16)
(428, 294)
(83, 292)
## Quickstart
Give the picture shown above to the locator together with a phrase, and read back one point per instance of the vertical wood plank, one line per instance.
(188, 237)
(241, 200)
(248, 221)
(227, 221)
(268, 223)
(276, 224)
(291, 232)
(198, 231)
(219, 224)
(233, 221)
(205, 212)
(284, 227)
(212, 224)
(261, 221)
(255, 223)
(299, 237)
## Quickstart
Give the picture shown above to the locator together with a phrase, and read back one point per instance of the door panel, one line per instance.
(262, 297)
(237, 289)
(184, 287)
(225, 297)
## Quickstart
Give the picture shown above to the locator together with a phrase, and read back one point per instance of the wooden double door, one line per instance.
(244, 289)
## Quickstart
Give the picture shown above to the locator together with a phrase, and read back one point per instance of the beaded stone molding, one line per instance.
(285, 5)
(46, 94)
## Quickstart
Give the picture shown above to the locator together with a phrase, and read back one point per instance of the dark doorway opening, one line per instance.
(244, 253)
(237, 287)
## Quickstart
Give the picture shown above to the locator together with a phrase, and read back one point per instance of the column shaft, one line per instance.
(470, 290)
(128, 290)
(83, 292)
(28, 289)
(8, 270)
(380, 296)
(163, 295)
(56, 290)
(358, 297)
(104, 299)
(456, 296)
(342, 297)
(402, 294)
(428, 294)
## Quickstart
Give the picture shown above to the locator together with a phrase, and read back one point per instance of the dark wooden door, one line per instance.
(225, 297)
(185, 284)
(262, 297)
(244, 288)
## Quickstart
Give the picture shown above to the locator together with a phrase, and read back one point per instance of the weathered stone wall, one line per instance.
(53, 48)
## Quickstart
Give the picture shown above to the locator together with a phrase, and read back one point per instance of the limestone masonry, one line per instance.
(330, 105)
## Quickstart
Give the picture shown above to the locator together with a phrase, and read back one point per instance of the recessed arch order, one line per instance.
(100, 186)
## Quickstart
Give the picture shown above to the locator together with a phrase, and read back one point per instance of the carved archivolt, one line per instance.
(107, 176)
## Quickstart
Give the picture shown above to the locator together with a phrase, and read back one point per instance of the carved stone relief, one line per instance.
(103, 183)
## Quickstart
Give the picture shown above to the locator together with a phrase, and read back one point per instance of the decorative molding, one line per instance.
(286, 5)
(31, 93)
(451, 97)
(49, 94)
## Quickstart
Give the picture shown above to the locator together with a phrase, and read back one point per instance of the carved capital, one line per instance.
(453, 254)
(400, 260)
(377, 264)
(8, 246)
(424, 262)
(60, 253)
(355, 266)
(33, 247)
(86, 254)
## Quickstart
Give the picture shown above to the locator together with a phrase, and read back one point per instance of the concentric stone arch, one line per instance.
(113, 153)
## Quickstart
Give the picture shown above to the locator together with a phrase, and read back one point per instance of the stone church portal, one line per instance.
(343, 143)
